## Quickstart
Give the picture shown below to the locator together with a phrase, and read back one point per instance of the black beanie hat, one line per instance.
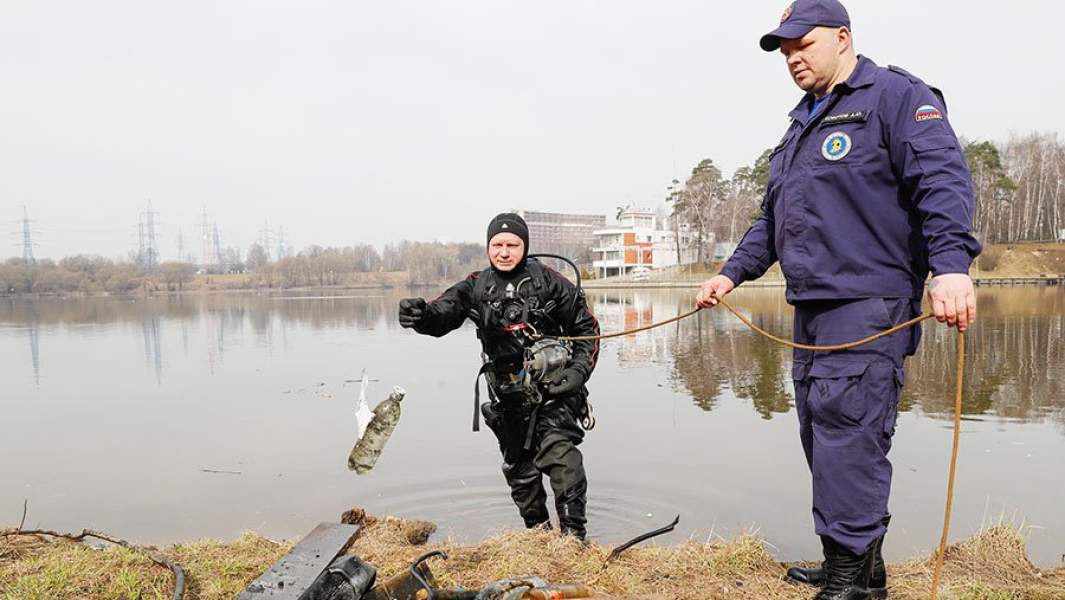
(509, 223)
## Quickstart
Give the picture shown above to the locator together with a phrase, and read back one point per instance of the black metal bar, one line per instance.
(645, 536)
(418, 576)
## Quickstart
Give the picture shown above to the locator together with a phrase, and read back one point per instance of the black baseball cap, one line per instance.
(800, 18)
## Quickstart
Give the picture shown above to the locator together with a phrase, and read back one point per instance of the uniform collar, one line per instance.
(863, 76)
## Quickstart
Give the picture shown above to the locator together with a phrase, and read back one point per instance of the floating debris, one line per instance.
(220, 472)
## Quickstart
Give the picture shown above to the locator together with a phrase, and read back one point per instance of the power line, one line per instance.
(266, 239)
(148, 243)
(218, 248)
(27, 240)
(153, 242)
(205, 240)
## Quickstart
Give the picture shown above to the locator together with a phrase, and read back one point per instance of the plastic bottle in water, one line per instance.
(368, 448)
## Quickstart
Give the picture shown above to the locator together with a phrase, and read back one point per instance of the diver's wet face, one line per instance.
(505, 251)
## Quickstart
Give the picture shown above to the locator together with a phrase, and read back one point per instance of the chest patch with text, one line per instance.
(855, 116)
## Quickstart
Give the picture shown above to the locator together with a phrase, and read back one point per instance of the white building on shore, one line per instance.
(642, 240)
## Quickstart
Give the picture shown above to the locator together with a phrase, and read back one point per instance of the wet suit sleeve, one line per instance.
(576, 319)
(930, 164)
(446, 313)
(756, 252)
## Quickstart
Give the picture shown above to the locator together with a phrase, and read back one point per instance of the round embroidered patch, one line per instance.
(787, 12)
(836, 145)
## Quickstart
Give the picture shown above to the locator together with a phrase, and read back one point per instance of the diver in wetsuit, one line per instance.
(539, 424)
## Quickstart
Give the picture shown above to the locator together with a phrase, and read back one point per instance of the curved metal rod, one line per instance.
(645, 536)
(418, 576)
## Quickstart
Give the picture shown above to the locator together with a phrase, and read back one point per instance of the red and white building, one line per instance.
(639, 242)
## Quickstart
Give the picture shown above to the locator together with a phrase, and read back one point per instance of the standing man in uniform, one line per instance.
(868, 192)
(538, 424)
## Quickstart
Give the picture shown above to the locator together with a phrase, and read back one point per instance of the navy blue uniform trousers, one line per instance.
(847, 403)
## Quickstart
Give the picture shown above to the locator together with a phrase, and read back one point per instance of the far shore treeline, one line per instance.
(1019, 187)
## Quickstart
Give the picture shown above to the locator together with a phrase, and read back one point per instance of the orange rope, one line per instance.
(832, 348)
(584, 338)
(953, 465)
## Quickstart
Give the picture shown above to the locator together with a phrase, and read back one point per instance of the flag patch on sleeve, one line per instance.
(927, 112)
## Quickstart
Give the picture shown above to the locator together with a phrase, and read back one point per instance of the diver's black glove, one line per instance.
(569, 382)
(411, 311)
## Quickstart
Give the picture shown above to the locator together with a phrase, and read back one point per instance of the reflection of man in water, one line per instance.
(539, 438)
(868, 192)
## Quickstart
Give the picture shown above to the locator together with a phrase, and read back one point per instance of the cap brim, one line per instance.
(787, 31)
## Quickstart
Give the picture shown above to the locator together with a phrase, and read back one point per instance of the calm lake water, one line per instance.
(114, 407)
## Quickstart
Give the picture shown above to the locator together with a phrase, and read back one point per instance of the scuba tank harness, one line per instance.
(545, 357)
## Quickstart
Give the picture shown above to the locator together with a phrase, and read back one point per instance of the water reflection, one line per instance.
(35, 345)
(215, 316)
(709, 353)
(1015, 363)
(1015, 359)
(153, 353)
(623, 311)
(258, 310)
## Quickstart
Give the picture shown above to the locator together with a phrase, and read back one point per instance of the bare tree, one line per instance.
(1019, 188)
(700, 202)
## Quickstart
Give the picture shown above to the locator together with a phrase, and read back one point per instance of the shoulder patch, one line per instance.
(927, 112)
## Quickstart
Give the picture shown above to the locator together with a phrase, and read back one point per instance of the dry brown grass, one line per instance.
(1021, 260)
(990, 566)
(34, 569)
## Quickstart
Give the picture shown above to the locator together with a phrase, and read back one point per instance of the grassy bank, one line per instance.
(990, 566)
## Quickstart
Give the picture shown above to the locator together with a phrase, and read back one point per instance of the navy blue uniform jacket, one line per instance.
(865, 197)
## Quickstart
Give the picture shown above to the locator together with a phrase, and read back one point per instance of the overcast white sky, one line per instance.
(352, 122)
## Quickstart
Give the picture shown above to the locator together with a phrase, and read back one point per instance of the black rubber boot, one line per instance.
(816, 576)
(846, 574)
(527, 491)
(563, 463)
(571, 511)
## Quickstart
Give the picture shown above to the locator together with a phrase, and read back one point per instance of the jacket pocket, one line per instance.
(847, 145)
(937, 157)
(836, 391)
